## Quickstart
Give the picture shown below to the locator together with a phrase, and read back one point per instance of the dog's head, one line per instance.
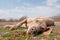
(36, 26)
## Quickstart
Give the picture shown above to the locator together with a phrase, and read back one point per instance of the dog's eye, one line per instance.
(32, 29)
(42, 28)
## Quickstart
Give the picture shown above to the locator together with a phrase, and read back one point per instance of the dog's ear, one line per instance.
(48, 31)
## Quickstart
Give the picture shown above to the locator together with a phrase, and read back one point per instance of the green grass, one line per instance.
(10, 34)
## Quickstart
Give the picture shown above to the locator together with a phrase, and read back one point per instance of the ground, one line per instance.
(19, 34)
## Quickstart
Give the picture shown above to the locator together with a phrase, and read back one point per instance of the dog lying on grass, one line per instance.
(40, 25)
(35, 25)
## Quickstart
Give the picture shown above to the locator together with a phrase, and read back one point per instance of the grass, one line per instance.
(11, 33)
(14, 34)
